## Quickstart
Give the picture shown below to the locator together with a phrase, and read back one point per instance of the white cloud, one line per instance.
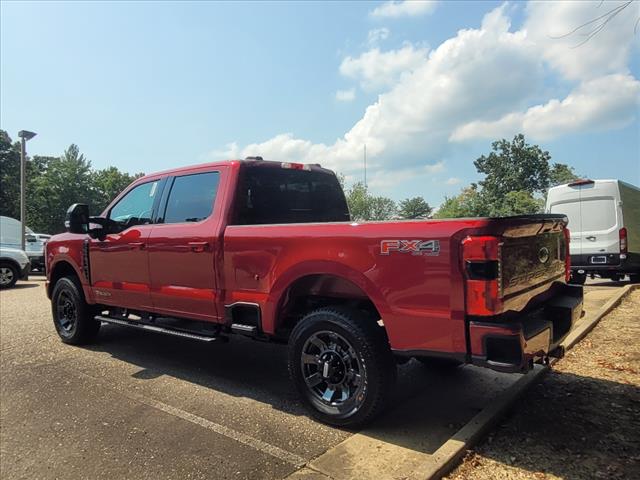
(453, 181)
(375, 69)
(481, 83)
(412, 122)
(377, 35)
(599, 104)
(381, 179)
(346, 95)
(407, 8)
(607, 52)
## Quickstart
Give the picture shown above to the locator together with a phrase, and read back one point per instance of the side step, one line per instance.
(155, 328)
(244, 329)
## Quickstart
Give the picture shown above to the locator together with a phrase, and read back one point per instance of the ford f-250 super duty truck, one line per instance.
(267, 250)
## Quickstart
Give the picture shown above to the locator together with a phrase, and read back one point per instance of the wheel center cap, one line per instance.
(332, 368)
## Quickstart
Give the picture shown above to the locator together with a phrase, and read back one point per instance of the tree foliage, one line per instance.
(364, 206)
(415, 207)
(516, 178)
(469, 203)
(54, 183)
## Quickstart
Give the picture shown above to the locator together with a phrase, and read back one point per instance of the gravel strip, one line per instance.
(582, 421)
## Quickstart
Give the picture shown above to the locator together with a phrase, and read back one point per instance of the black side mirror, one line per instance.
(77, 220)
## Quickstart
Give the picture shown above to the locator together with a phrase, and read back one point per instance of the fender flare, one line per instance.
(317, 267)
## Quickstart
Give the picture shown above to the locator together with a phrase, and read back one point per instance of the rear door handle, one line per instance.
(135, 245)
(198, 246)
(591, 237)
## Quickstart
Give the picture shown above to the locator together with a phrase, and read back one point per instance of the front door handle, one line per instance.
(139, 245)
(591, 237)
(199, 246)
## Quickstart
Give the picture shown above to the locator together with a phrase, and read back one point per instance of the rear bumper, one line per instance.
(531, 337)
(629, 263)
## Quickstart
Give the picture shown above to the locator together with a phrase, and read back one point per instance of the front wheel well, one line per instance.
(11, 262)
(61, 269)
(311, 292)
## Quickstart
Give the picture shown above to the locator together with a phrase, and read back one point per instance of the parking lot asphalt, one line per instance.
(140, 405)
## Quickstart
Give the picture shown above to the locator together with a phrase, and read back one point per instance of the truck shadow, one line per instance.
(427, 408)
(572, 427)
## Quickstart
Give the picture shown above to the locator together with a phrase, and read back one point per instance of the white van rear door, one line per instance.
(572, 209)
(600, 225)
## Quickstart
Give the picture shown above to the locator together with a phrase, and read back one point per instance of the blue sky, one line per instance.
(152, 85)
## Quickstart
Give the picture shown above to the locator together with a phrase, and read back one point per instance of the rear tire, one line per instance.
(342, 366)
(73, 318)
(8, 275)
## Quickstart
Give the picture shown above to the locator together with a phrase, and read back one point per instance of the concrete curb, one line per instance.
(449, 454)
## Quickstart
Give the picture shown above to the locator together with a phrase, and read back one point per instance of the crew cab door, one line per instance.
(119, 260)
(183, 247)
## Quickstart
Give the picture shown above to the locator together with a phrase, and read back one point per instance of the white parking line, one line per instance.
(239, 437)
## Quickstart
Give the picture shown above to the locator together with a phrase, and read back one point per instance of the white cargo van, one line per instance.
(604, 221)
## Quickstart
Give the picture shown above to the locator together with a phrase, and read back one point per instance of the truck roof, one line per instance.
(246, 161)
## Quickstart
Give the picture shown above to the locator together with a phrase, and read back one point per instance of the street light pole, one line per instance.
(24, 135)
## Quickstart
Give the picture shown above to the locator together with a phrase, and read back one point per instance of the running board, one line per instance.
(155, 328)
(244, 329)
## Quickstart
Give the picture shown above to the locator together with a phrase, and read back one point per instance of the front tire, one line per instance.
(342, 366)
(72, 317)
(8, 275)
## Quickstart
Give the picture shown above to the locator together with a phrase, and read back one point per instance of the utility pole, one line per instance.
(365, 165)
(24, 135)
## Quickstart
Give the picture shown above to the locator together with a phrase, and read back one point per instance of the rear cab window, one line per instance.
(191, 198)
(269, 194)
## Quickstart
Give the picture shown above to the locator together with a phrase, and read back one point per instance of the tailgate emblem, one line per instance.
(543, 255)
(415, 247)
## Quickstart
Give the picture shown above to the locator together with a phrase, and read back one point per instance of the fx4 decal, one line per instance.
(415, 247)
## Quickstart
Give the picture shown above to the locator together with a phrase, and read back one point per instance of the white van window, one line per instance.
(572, 211)
(598, 214)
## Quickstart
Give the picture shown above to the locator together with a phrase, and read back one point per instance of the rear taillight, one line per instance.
(567, 255)
(481, 263)
(623, 240)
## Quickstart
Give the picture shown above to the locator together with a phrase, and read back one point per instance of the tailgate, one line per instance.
(531, 255)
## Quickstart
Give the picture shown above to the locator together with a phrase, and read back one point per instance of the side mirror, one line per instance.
(77, 220)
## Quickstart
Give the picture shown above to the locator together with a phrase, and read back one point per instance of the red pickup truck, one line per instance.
(268, 250)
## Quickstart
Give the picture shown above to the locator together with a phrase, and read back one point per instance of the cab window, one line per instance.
(191, 197)
(136, 207)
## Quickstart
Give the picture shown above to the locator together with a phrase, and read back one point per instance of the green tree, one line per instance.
(468, 203)
(9, 176)
(364, 206)
(561, 173)
(382, 208)
(518, 202)
(107, 184)
(66, 180)
(511, 166)
(358, 201)
(415, 207)
(516, 178)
